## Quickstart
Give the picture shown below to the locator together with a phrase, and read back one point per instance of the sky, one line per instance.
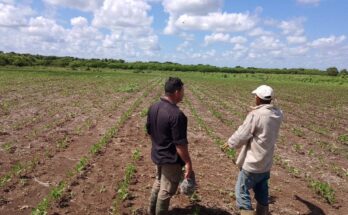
(248, 33)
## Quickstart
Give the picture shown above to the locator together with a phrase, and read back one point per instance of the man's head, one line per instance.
(264, 94)
(174, 89)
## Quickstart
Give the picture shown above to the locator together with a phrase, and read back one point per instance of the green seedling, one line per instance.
(4, 179)
(63, 143)
(81, 164)
(143, 113)
(42, 207)
(57, 191)
(343, 139)
(297, 147)
(8, 147)
(324, 190)
(130, 88)
(310, 152)
(17, 169)
(136, 155)
(298, 132)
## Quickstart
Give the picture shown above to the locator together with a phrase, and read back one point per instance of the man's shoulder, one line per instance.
(156, 104)
(268, 112)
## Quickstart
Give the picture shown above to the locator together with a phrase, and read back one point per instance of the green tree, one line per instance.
(344, 72)
(332, 71)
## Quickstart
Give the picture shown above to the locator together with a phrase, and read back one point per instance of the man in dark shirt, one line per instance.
(167, 126)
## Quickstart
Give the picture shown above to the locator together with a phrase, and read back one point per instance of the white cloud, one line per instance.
(238, 40)
(131, 19)
(7, 1)
(296, 39)
(205, 15)
(216, 37)
(267, 43)
(85, 5)
(192, 7)
(39, 34)
(292, 27)
(239, 47)
(45, 29)
(239, 52)
(183, 47)
(327, 41)
(216, 22)
(258, 32)
(309, 2)
(186, 36)
(224, 38)
(12, 15)
(79, 21)
(301, 50)
(83, 37)
(204, 55)
(123, 14)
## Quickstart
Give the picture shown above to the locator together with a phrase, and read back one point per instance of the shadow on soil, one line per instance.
(314, 210)
(198, 209)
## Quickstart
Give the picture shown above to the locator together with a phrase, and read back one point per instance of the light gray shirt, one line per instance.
(257, 136)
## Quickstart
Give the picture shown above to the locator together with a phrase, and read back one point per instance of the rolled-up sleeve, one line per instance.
(243, 134)
(179, 129)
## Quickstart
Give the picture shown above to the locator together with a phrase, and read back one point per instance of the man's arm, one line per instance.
(182, 151)
(243, 134)
(179, 133)
(148, 124)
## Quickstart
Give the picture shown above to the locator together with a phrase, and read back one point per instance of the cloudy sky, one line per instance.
(259, 33)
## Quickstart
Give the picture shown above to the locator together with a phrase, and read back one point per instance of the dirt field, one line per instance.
(73, 142)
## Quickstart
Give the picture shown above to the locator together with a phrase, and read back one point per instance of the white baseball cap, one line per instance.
(264, 92)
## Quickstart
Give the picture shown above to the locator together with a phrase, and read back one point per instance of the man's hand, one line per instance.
(188, 170)
(182, 151)
(225, 146)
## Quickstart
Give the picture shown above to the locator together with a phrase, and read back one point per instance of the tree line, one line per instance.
(20, 60)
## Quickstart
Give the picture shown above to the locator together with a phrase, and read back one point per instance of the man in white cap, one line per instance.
(257, 137)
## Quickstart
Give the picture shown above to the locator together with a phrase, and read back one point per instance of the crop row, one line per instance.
(321, 188)
(94, 150)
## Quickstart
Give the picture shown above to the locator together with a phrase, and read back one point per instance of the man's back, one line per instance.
(266, 123)
(167, 126)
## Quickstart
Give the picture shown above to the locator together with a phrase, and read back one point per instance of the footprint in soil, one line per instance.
(64, 201)
(3, 201)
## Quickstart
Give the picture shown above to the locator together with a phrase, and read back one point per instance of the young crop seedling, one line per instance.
(81, 164)
(298, 132)
(298, 148)
(343, 139)
(130, 88)
(5, 179)
(63, 143)
(57, 192)
(136, 155)
(324, 190)
(8, 147)
(42, 207)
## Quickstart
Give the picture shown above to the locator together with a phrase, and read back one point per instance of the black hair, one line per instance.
(265, 102)
(173, 84)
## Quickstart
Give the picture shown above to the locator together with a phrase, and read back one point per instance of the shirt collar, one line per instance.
(263, 106)
(166, 100)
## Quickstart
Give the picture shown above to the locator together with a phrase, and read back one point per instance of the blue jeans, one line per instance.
(256, 181)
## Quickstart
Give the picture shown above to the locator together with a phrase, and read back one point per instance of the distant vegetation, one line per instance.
(20, 60)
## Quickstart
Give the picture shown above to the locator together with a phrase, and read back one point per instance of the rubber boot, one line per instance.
(152, 207)
(262, 210)
(247, 212)
(162, 206)
(153, 199)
